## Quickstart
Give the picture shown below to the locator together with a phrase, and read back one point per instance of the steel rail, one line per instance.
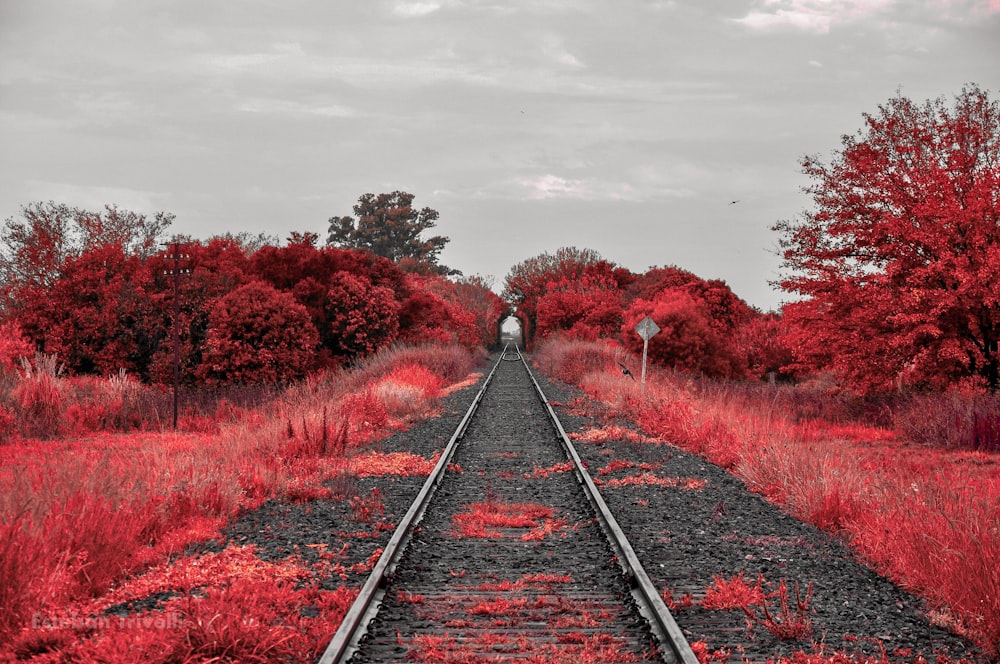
(354, 625)
(674, 647)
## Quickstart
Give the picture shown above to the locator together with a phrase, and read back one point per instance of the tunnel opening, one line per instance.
(509, 330)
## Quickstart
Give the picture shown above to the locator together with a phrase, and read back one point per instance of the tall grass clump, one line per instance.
(38, 397)
(954, 420)
(450, 362)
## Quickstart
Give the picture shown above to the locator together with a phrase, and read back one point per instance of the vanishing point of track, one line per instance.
(562, 580)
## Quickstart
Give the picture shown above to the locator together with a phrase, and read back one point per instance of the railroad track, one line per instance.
(508, 553)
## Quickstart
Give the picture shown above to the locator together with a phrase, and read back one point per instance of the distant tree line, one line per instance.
(96, 289)
(895, 270)
(577, 294)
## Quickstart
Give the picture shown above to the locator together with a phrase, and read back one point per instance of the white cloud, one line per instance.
(553, 186)
(553, 48)
(288, 48)
(816, 16)
(281, 106)
(548, 186)
(410, 9)
(242, 61)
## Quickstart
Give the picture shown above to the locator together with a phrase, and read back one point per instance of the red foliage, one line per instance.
(688, 340)
(98, 315)
(437, 309)
(212, 269)
(588, 307)
(300, 259)
(258, 335)
(479, 518)
(726, 311)
(475, 296)
(360, 317)
(424, 317)
(528, 281)
(763, 343)
(14, 347)
(787, 623)
(352, 297)
(898, 263)
(734, 593)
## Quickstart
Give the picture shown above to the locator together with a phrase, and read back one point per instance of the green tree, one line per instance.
(389, 226)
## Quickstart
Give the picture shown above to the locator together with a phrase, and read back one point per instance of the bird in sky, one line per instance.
(734, 202)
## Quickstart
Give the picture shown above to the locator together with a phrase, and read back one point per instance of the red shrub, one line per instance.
(258, 335)
(360, 317)
(687, 340)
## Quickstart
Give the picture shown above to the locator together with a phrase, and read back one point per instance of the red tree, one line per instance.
(258, 334)
(360, 317)
(687, 339)
(35, 247)
(727, 312)
(433, 312)
(337, 307)
(14, 347)
(763, 343)
(898, 264)
(214, 268)
(98, 315)
(475, 296)
(528, 281)
(589, 307)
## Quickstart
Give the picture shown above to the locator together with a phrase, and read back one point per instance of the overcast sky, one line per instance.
(623, 126)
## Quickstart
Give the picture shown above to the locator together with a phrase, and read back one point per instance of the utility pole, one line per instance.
(175, 254)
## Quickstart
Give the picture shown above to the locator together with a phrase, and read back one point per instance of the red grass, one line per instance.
(734, 593)
(609, 433)
(925, 516)
(377, 464)
(82, 515)
(365, 508)
(481, 518)
(229, 605)
(788, 623)
(540, 473)
(622, 464)
(686, 483)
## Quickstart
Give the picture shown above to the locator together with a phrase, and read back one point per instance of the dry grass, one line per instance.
(924, 515)
(79, 515)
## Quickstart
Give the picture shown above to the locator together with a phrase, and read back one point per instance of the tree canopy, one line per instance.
(35, 246)
(389, 226)
(898, 262)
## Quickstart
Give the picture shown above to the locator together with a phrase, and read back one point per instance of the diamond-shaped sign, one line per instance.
(647, 328)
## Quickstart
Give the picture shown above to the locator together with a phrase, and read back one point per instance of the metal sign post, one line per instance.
(646, 329)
